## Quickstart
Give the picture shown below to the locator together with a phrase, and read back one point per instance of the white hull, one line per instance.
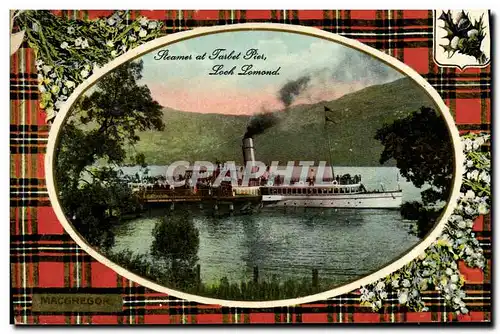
(383, 200)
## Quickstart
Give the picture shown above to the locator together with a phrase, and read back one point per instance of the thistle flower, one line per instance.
(464, 36)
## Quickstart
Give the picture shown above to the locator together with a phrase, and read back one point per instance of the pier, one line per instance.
(156, 196)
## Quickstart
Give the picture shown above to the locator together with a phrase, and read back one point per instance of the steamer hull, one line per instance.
(367, 200)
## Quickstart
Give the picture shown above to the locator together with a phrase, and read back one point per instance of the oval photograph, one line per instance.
(254, 165)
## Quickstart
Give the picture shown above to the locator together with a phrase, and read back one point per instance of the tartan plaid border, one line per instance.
(45, 259)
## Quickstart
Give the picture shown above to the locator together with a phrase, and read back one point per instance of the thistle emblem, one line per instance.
(464, 36)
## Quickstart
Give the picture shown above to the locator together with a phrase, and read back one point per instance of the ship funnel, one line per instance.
(248, 150)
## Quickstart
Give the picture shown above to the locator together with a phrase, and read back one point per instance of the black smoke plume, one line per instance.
(292, 89)
(259, 123)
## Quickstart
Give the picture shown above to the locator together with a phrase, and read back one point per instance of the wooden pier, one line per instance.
(155, 196)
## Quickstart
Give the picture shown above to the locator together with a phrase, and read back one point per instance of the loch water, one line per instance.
(342, 244)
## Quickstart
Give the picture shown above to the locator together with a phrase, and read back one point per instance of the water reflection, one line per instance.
(343, 244)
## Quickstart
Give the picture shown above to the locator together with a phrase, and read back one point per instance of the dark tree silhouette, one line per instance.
(101, 126)
(421, 146)
(176, 242)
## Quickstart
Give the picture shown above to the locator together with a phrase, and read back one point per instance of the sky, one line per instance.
(311, 69)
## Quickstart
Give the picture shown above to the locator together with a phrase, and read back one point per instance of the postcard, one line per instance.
(250, 167)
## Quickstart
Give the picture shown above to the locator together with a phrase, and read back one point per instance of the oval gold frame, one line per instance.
(313, 32)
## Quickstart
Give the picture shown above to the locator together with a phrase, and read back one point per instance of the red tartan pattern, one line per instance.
(45, 259)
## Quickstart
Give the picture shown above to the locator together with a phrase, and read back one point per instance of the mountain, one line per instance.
(300, 134)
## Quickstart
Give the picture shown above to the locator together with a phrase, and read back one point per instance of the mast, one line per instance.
(327, 119)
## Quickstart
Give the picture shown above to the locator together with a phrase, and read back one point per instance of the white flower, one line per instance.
(84, 73)
(454, 42)
(59, 104)
(462, 224)
(110, 44)
(152, 25)
(378, 304)
(111, 21)
(69, 83)
(41, 88)
(383, 295)
(395, 283)
(39, 62)
(78, 41)
(380, 286)
(467, 143)
(143, 21)
(35, 27)
(54, 89)
(85, 44)
(454, 278)
(123, 48)
(480, 140)
(468, 251)
(132, 38)
(143, 33)
(470, 163)
(482, 209)
(449, 271)
(470, 194)
(406, 283)
(484, 176)
(46, 68)
(71, 30)
(64, 45)
(403, 297)
(50, 112)
(469, 211)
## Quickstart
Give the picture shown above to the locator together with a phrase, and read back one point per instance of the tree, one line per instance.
(421, 146)
(176, 242)
(92, 190)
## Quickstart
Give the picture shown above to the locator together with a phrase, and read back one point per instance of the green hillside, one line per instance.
(299, 136)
